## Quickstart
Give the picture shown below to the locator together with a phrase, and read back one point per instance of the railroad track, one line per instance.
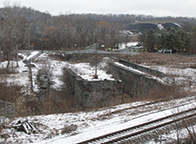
(148, 104)
(132, 132)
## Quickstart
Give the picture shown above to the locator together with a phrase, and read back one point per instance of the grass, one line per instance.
(174, 60)
(64, 101)
(79, 58)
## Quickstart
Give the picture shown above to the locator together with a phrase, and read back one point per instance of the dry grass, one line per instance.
(64, 101)
(69, 129)
(164, 92)
(79, 58)
(174, 60)
(9, 93)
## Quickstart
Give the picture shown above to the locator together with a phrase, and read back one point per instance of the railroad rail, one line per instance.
(150, 104)
(130, 133)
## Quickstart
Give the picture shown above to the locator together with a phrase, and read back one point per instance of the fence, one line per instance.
(7, 110)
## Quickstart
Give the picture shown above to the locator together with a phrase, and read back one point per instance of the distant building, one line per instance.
(139, 27)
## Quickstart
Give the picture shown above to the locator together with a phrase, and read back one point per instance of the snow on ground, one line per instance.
(88, 124)
(85, 70)
(29, 55)
(182, 76)
(165, 82)
(21, 78)
(129, 44)
(160, 26)
(93, 123)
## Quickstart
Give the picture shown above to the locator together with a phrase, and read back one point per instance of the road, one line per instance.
(124, 51)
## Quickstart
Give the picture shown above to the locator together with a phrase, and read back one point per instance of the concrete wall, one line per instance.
(141, 68)
(90, 93)
(134, 83)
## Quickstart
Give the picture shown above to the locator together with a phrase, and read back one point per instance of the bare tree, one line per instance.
(15, 31)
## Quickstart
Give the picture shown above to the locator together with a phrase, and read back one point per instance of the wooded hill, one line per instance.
(32, 15)
(72, 30)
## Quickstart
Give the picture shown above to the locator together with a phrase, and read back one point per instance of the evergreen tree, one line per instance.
(150, 40)
(193, 41)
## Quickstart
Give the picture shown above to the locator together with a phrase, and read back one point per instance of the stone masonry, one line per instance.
(136, 83)
(91, 92)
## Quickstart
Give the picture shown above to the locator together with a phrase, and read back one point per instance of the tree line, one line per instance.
(71, 32)
(18, 31)
(47, 32)
(177, 39)
(27, 28)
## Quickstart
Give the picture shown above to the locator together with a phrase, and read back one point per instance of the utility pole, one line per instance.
(96, 61)
(28, 29)
(29, 46)
(17, 55)
(96, 76)
(31, 77)
(4, 41)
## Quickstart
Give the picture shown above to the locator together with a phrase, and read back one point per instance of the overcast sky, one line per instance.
(147, 7)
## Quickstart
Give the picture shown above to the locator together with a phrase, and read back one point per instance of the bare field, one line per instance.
(156, 59)
(171, 60)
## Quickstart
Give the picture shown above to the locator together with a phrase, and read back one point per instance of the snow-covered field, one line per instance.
(76, 127)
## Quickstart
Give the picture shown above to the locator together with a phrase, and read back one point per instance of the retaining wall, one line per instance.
(131, 82)
(91, 92)
(134, 83)
(141, 68)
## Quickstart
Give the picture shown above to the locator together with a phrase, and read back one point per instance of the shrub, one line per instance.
(68, 129)
(9, 93)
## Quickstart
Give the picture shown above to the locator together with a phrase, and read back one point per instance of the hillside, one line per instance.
(33, 16)
(75, 30)
(147, 26)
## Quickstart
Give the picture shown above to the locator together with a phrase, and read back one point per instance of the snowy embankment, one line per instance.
(85, 70)
(165, 81)
(52, 128)
(185, 77)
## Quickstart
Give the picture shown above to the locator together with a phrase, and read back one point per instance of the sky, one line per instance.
(146, 7)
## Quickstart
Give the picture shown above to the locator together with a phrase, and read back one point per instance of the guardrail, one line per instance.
(7, 110)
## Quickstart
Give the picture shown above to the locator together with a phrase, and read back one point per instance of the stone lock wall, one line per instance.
(90, 92)
(141, 68)
(130, 82)
(134, 83)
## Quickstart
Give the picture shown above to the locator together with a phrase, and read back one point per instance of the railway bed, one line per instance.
(131, 134)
